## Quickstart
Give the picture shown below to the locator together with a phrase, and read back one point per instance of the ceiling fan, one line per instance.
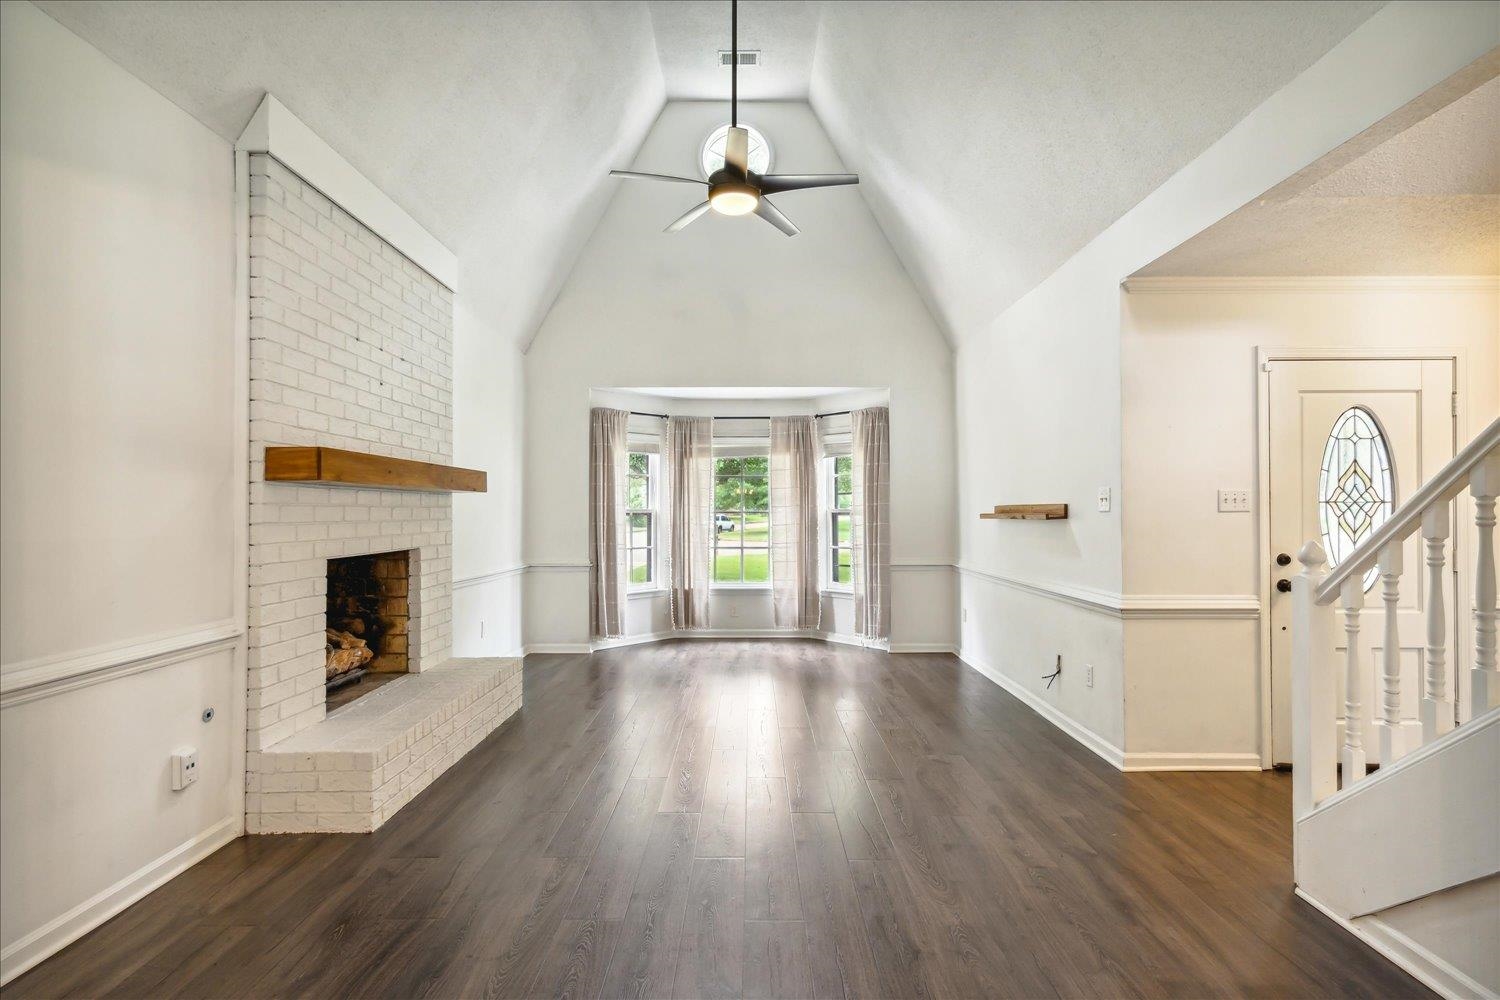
(733, 189)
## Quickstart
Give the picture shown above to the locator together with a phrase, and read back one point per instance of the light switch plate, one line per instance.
(1234, 501)
(1104, 499)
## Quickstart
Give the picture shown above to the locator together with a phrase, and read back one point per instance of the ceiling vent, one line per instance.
(750, 57)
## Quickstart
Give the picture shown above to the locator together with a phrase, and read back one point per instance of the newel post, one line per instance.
(1314, 734)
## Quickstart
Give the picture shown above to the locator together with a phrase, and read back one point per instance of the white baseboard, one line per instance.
(1192, 762)
(925, 647)
(1409, 956)
(1110, 753)
(554, 647)
(63, 930)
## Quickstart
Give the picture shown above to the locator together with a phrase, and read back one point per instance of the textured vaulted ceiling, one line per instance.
(994, 139)
(492, 124)
(1426, 201)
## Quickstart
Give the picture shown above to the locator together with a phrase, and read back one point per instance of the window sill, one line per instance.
(741, 587)
(837, 592)
(631, 595)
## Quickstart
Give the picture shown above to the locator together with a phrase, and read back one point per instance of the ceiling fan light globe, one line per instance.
(733, 199)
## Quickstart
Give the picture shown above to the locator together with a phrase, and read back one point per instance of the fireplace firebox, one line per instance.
(367, 633)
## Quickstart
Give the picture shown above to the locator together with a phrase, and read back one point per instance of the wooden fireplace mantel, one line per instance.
(336, 467)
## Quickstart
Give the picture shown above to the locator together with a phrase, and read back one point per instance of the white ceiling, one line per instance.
(1426, 201)
(690, 33)
(993, 139)
(492, 124)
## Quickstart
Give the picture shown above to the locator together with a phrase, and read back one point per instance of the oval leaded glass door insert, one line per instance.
(1356, 487)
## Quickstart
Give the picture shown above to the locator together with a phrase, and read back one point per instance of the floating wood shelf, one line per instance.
(1028, 512)
(336, 467)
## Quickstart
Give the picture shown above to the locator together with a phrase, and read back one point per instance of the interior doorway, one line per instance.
(1345, 439)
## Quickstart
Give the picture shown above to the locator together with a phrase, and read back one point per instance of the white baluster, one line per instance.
(1314, 703)
(1388, 725)
(1352, 757)
(1437, 708)
(1484, 483)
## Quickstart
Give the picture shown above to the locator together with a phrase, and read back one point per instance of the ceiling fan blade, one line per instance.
(636, 175)
(687, 218)
(776, 183)
(737, 150)
(772, 214)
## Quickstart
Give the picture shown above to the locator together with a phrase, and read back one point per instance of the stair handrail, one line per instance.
(1449, 482)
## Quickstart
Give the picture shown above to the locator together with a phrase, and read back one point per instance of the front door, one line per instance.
(1392, 428)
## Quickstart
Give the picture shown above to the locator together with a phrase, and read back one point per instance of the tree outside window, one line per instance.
(742, 521)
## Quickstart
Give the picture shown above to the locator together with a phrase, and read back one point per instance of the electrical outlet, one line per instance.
(184, 768)
(1088, 675)
(966, 615)
(481, 629)
(1104, 499)
(1234, 501)
(734, 610)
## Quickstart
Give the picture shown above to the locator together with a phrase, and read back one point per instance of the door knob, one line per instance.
(1284, 586)
(1282, 559)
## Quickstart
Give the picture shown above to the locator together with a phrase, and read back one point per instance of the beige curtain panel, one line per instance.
(608, 456)
(795, 598)
(870, 522)
(689, 475)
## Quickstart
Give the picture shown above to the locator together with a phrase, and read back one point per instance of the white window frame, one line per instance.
(742, 584)
(652, 548)
(830, 519)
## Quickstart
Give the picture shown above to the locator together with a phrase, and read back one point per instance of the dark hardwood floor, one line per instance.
(760, 819)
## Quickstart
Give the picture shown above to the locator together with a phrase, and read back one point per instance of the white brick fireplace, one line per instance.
(351, 346)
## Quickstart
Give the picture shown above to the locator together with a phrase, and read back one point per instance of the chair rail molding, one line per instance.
(1128, 606)
(27, 680)
(479, 579)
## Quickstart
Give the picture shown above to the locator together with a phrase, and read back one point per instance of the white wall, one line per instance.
(1039, 389)
(733, 302)
(488, 394)
(1189, 397)
(121, 577)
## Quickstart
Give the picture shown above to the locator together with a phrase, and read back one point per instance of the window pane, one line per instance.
(640, 565)
(727, 494)
(841, 527)
(757, 530)
(729, 466)
(728, 528)
(843, 482)
(640, 530)
(757, 566)
(727, 566)
(639, 463)
(637, 495)
(757, 466)
(843, 566)
(757, 494)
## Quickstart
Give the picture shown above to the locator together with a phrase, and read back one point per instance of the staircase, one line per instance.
(1428, 819)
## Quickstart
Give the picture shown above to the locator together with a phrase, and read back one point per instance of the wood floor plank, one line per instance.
(687, 778)
(770, 852)
(840, 962)
(607, 883)
(776, 960)
(881, 825)
(711, 959)
(806, 784)
(721, 830)
(644, 961)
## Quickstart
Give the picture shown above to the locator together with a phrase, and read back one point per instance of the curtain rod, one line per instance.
(816, 416)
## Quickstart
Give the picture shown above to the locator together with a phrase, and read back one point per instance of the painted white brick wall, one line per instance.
(351, 346)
